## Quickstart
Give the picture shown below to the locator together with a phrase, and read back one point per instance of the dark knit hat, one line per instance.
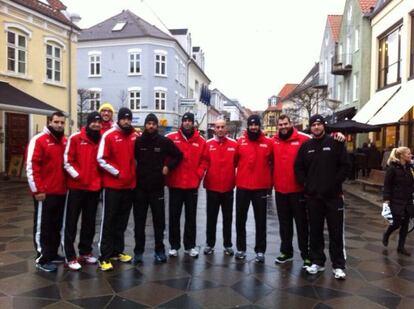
(188, 116)
(92, 117)
(124, 113)
(253, 119)
(316, 118)
(151, 117)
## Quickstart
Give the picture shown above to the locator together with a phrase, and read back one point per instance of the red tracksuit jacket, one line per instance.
(254, 159)
(44, 164)
(190, 171)
(116, 158)
(221, 165)
(284, 154)
(106, 125)
(80, 163)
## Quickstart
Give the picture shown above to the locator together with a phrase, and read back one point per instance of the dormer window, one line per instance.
(119, 26)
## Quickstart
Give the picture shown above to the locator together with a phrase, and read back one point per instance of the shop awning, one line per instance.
(13, 99)
(395, 109)
(377, 101)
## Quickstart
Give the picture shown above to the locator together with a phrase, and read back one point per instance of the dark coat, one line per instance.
(399, 188)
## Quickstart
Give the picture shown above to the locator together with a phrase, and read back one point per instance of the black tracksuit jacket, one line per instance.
(321, 166)
(152, 152)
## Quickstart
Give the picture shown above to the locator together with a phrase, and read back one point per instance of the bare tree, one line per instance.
(308, 100)
(83, 105)
(123, 95)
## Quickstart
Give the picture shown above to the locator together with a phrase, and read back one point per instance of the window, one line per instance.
(119, 26)
(338, 91)
(389, 55)
(348, 58)
(356, 39)
(53, 63)
(272, 120)
(134, 100)
(134, 63)
(412, 46)
(349, 15)
(347, 91)
(355, 87)
(95, 100)
(160, 99)
(95, 64)
(178, 68)
(160, 64)
(16, 53)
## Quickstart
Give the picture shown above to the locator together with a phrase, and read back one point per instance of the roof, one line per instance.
(135, 27)
(286, 90)
(334, 22)
(367, 5)
(178, 31)
(53, 10)
(17, 100)
(381, 4)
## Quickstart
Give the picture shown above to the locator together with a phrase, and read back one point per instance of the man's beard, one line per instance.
(187, 132)
(126, 129)
(253, 136)
(94, 135)
(57, 134)
(319, 134)
(286, 135)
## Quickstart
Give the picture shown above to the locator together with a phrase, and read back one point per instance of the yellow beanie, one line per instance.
(106, 105)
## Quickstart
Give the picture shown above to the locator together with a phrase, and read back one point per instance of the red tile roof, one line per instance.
(286, 90)
(53, 10)
(335, 25)
(366, 5)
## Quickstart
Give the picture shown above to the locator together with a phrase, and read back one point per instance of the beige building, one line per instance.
(37, 72)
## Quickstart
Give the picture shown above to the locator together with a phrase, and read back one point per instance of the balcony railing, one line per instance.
(341, 64)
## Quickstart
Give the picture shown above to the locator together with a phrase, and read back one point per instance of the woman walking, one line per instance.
(398, 191)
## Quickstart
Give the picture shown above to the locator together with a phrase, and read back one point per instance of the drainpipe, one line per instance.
(70, 82)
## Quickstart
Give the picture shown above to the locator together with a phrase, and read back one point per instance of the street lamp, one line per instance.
(333, 106)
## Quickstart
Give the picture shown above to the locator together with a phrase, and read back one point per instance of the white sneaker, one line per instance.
(193, 252)
(339, 273)
(173, 252)
(74, 265)
(314, 269)
(88, 259)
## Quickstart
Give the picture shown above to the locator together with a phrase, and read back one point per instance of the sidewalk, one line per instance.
(370, 195)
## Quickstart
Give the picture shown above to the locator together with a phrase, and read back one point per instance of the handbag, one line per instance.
(386, 213)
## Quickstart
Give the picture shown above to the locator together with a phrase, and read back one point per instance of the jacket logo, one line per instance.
(212, 148)
(196, 144)
(231, 149)
(263, 145)
(117, 139)
(83, 143)
(326, 148)
(312, 150)
(157, 149)
(294, 143)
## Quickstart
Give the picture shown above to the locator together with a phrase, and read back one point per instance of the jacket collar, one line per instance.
(195, 136)
(293, 137)
(260, 139)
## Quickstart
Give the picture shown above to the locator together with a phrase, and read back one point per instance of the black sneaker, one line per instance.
(138, 259)
(283, 258)
(228, 251)
(260, 258)
(240, 255)
(159, 257)
(208, 250)
(47, 267)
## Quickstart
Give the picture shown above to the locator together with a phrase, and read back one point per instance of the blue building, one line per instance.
(128, 62)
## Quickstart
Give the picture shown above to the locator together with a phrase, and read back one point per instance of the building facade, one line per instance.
(37, 71)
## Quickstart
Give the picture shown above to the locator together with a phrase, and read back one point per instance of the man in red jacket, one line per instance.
(116, 158)
(46, 177)
(219, 183)
(183, 184)
(253, 180)
(84, 184)
(290, 201)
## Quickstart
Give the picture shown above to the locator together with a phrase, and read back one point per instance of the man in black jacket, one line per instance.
(155, 155)
(321, 166)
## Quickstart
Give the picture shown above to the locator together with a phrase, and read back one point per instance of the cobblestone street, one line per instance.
(376, 277)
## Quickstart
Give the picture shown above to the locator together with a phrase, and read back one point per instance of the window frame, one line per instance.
(92, 61)
(95, 100)
(355, 87)
(356, 39)
(134, 63)
(160, 92)
(162, 64)
(54, 60)
(135, 98)
(382, 79)
(16, 49)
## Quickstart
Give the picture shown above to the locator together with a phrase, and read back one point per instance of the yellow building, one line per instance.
(37, 71)
(270, 116)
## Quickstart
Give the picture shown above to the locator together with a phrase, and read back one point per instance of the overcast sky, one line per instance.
(252, 48)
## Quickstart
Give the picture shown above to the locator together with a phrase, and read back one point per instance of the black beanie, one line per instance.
(316, 118)
(124, 113)
(151, 117)
(253, 119)
(92, 117)
(188, 116)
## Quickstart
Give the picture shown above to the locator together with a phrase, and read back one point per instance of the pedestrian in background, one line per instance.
(46, 178)
(106, 111)
(219, 183)
(398, 194)
(155, 156)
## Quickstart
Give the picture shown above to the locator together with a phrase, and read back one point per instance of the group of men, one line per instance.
(129, 171)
